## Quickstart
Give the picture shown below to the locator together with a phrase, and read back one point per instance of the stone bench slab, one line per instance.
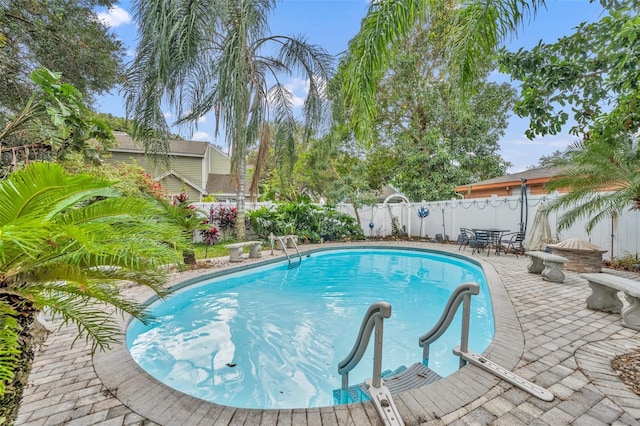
(235, 250)
(547, 264)
(604, 297)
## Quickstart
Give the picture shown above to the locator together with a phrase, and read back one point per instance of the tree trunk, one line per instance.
(240, 205)
(355, 209)
(31, 335)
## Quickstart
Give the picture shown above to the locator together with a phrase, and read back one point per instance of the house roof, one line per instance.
(220, 184)
(183, 179)
(177, 147)
(539, 175)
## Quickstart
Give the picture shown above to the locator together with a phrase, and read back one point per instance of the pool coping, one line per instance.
(143, 394)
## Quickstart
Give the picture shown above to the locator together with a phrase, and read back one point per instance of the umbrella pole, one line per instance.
(523, 205)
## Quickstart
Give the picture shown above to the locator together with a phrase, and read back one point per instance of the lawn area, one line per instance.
(217, 250)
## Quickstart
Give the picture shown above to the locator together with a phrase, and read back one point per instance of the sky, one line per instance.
(332, 23)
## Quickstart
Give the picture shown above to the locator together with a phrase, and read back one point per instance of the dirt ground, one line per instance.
(627, 367)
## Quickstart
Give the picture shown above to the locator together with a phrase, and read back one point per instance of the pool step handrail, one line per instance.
(504, 374)
(462, 294)
(380, 395)
(283, 242)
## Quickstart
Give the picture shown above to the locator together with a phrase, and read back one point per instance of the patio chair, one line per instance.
(466, 237)
(513, 243)
(482, 241)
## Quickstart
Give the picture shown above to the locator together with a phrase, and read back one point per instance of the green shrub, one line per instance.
(311, 223)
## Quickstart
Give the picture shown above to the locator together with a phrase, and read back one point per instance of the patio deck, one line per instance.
(544, 333)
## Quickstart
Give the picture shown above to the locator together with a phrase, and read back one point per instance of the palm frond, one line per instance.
(601, 178)
(9, 344)
(370, 53)
(475, 32)
(93, 320)
(46, 189)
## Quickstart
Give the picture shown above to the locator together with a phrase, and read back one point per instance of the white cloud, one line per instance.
(524, 153)
(200, 136)
(114, 17)
(168, 115)
(202, 119)
(130, 53)
(298, 84)
(299, 88)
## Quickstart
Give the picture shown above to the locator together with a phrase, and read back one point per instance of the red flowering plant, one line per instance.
(225, 218)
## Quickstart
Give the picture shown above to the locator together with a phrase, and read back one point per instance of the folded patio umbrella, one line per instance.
(540, 232)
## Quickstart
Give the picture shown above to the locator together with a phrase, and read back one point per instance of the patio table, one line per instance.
(489, 237)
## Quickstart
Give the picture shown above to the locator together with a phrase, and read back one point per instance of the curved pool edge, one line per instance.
(146, 396)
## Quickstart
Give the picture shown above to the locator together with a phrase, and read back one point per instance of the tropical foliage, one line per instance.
(185, 215)
(67, 242)
(589, 76)
(588, 79)
(54, 122)
(216, 56)
(604, 179)
(311, 223)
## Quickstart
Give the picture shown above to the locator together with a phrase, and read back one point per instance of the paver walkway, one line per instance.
(567, 349)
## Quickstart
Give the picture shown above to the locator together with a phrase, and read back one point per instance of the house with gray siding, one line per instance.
(193, 166)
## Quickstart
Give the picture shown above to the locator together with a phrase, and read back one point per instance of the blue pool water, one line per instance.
(270, 337)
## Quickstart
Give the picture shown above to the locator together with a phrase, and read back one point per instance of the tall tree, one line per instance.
(62, 35)
(438, 139)
(474, 31)
(592, 77)
(215, 56)
(67, 242)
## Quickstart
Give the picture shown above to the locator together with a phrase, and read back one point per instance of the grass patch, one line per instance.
(217, 250)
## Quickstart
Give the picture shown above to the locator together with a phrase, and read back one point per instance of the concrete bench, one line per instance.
(235, 250)
(547, 264)
(604, 297)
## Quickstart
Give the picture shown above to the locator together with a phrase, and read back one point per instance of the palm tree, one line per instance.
(603, 177)
(472, 34)
(67, 242)
(217, 56)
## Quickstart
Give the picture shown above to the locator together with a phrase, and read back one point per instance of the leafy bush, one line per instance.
(211, 234)
(311, 223)
(225, 217)
(222, 220)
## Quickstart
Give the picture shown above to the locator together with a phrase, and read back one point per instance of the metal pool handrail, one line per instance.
(461, 294)
(373, 318)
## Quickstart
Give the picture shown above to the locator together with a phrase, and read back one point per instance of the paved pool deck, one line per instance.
(544, 333)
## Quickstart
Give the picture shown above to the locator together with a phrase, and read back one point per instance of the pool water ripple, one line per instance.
(271, 337)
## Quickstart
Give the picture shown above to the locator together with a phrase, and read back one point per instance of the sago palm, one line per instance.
(67, 242)
(203, 56)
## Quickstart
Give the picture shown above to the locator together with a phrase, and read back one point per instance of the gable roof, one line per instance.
(176, 147)
(540, 175)
(181, 178)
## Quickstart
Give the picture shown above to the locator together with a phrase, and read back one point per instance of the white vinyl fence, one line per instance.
(619, 236)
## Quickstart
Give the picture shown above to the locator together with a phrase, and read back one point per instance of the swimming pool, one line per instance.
(270, 337)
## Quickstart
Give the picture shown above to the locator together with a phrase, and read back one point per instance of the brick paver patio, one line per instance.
(546, 333)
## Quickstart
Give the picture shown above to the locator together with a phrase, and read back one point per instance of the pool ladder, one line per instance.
(402, 379)
(294, 259)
